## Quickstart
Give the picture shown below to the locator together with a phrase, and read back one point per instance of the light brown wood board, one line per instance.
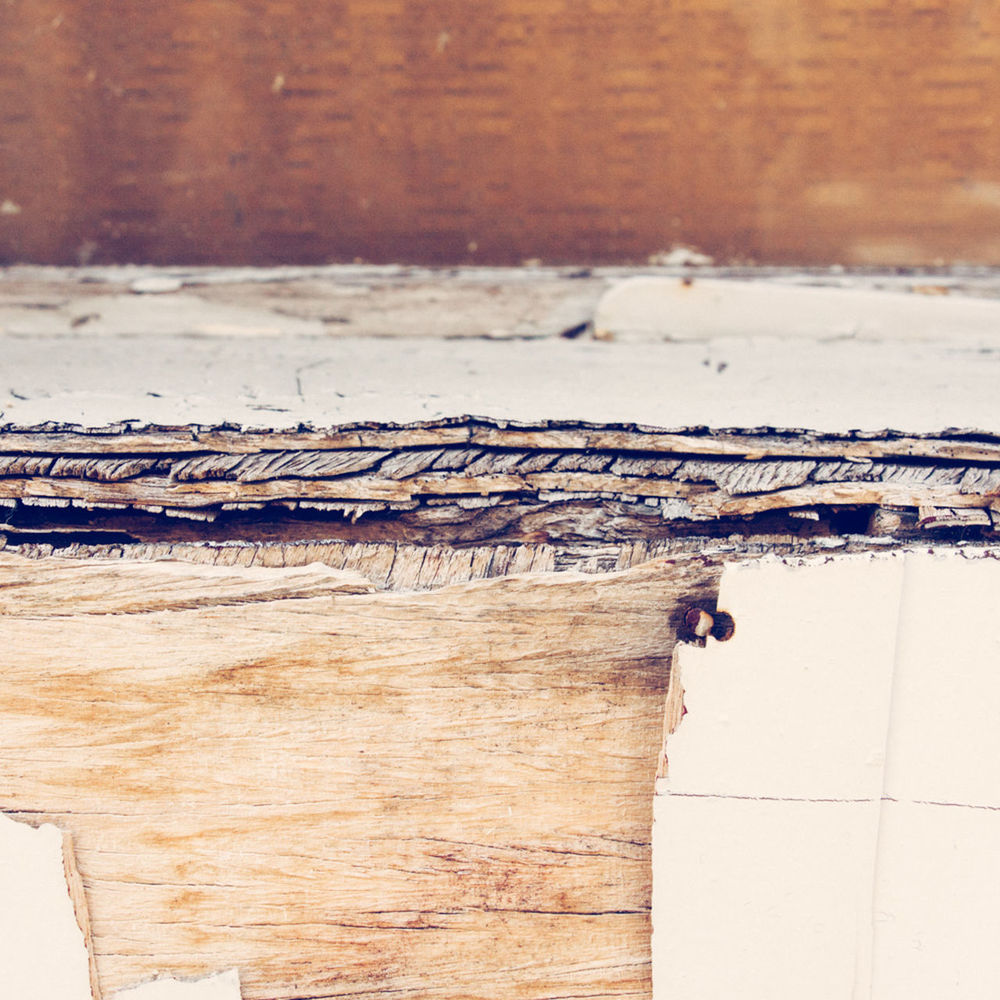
(430, 795)
(825, 131)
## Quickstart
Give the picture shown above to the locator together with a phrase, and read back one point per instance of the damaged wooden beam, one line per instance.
(354, 681)
(493, 477)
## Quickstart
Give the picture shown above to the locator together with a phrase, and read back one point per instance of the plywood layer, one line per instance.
(824, 131)
(433, 795)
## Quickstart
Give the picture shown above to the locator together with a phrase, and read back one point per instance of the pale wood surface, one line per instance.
(428, 795)
(81, 911)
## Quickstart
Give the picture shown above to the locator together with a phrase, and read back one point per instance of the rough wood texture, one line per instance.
(438, 795)
(362, 567)
(78, 896)
(474, 482)
(831, 130)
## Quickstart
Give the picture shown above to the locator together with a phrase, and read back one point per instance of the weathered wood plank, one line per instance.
(701, 500)
(285, 384)
(428, 795)
(770, 132)
(749, 444)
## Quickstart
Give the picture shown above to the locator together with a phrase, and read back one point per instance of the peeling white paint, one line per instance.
(178, 358)
(696, 308)
(224, 986)
(278, 382)
(43, 954)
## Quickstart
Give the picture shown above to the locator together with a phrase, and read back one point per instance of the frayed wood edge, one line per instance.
(673, 710)
(78, 896)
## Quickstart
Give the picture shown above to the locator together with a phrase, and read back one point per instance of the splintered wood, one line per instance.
(828, 821)
(425, 505)
(436, 795)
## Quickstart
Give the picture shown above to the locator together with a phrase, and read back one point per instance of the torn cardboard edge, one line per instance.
(221, 986)
(828, 810)
(46, 945)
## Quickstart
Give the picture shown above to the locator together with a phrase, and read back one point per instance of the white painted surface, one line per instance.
(804, 636)
(274, 382)
(224, 986)
(747, 878)
(276, 347)
(696, 308)
(730, 923)
(43, 955)
(181, 314)
(945, 734)
(937, 904)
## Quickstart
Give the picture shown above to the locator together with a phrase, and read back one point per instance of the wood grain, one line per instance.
(430, 795)
(828, 131)
(78, 896)
(355, 482)
(359, 568)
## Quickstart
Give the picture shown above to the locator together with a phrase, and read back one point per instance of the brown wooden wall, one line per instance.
(807, 131)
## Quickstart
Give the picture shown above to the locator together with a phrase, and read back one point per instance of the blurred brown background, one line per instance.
(433, 131)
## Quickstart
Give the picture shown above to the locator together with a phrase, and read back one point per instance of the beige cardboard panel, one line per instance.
(224, 986)
(944, 743)
(761, 899)
(730, 889)
(796, 703)
(43, 953)
(936, 904)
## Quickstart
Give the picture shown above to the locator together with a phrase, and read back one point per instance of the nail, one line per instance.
(698, 621)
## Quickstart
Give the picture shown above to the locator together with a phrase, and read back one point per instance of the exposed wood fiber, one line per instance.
(442, 795)
(386, 566)
(542, 474)
(752, 444)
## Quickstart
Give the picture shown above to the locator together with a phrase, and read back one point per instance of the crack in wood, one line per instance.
(471, 483)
